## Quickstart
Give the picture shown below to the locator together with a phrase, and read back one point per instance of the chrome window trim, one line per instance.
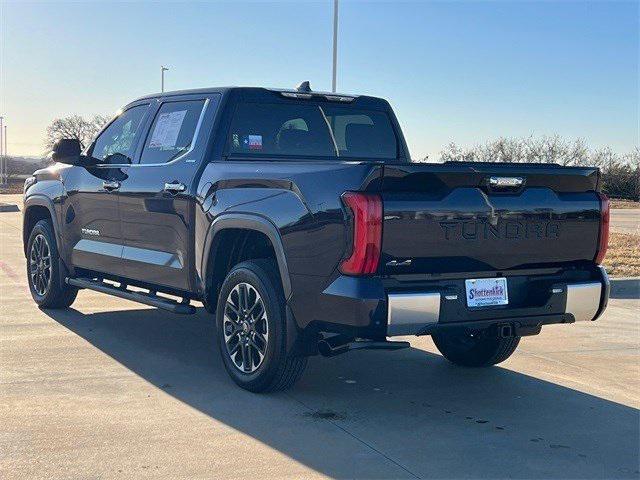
(179, 157)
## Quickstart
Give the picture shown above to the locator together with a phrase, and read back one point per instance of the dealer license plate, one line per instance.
(486, 292)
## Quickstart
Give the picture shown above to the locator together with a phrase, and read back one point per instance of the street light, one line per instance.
(2, 160)
(162, 70)
(6, 160)
(335, 44)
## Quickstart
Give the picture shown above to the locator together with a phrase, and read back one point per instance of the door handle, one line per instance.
(174, 187)
(110, 185)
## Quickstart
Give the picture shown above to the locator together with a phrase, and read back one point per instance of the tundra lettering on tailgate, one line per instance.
(509, 230)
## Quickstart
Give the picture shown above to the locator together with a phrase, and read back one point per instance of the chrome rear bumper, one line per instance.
(583, 300)
(420, 313)
(409, 313)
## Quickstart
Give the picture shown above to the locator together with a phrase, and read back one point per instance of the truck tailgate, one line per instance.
(460, 217)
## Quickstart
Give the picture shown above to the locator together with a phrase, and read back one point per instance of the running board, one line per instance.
(140, 297)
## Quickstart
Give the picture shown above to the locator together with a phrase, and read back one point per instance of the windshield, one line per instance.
(311, 130)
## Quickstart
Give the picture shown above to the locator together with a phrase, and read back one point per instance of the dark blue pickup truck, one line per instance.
(299, 221)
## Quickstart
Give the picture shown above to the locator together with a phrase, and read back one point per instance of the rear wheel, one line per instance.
(43, 269)
(474, 349)
(251, 327)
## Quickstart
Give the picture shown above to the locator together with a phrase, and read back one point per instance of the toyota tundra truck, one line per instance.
(300, 223)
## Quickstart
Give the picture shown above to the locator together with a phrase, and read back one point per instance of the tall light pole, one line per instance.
(2, 161)
(6, 162)
(162, 70)
(335, 44)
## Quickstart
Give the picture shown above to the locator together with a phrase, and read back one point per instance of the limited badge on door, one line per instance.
(485, 292)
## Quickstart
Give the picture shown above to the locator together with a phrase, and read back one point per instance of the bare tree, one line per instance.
(74, 126)
(547, 149)
(620, 173)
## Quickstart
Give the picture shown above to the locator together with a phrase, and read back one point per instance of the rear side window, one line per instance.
(172, 131)
(310, 130)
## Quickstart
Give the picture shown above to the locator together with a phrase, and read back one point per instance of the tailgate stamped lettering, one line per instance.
(508, 230)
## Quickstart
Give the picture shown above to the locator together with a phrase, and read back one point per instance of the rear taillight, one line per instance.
(603, 242)
(366, 210)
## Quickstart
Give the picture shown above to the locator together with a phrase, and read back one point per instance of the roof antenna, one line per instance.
(304, 86)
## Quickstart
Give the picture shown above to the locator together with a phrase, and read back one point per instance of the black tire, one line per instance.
(48, 292)
(479, 349)
(275, 370)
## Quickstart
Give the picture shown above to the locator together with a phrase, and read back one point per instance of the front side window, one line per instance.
(311, 130)
(116, 143)
(172, 131)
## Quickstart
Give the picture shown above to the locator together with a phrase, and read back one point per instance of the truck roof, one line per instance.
(254, 90)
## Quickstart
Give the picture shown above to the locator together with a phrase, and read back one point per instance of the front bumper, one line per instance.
(420, 313)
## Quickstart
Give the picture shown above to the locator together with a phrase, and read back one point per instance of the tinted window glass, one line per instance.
(362, 134)
(116, 144)
(272, 129)
(311, 130)
(172, 131)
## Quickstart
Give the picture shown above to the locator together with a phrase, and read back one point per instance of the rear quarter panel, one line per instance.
(302, 199)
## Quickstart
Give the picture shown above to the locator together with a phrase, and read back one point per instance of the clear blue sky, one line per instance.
(454, 71)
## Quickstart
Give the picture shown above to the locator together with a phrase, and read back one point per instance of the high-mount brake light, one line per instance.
(309, 96)
(306, 96)
(366, 210)
(605, 215)
(339, 98)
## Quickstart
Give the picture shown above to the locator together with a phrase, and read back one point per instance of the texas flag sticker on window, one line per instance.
(252, 142)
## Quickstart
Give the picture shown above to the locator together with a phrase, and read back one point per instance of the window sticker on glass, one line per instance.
(252, 142)
(167, 129)
(255, 142)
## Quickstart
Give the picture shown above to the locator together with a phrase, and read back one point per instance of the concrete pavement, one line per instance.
(626, 220)
(112, 389)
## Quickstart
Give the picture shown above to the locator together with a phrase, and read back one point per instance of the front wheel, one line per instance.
(251, 327)
(474, 349)
(43, 269)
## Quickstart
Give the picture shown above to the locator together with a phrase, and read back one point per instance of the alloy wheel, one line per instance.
(40, 265)
(246, 328)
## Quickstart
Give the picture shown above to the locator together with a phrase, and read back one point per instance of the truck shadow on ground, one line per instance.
(409, 409)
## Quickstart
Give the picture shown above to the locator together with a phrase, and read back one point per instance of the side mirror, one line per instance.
(67, 150)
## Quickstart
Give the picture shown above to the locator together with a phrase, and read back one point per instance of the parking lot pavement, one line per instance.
(626, 220)
(112, 389)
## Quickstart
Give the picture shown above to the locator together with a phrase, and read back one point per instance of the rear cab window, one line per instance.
(314, 130)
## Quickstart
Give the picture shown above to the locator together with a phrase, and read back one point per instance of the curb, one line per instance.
(9, 207)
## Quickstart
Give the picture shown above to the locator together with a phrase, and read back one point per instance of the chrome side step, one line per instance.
(140, 297)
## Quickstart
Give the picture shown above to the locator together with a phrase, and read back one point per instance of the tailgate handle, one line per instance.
(506, 182)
